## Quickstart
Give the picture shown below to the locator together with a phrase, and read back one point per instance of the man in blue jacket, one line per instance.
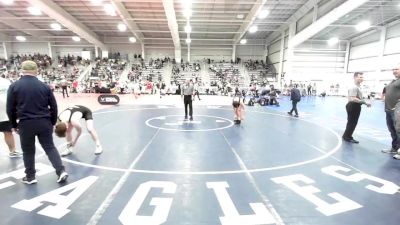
(32, 103)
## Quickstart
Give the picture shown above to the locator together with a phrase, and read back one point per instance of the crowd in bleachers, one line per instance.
(255, 65)
(67, 69)
(104, 76)
(225, 77)
(146, 76)
(71, 60)
(14, 61)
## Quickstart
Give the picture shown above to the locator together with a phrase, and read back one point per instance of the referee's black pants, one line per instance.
(187, 100)
(353, 113)
(43, 129)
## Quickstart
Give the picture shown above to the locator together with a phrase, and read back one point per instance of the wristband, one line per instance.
(363, 102)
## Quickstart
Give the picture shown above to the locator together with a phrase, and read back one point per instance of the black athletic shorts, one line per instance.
(86, 113)
(236, 104)
(5, 126)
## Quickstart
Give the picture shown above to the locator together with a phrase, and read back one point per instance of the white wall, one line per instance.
(125, 48)
(365, 52)
(365, 57)
(159, 52)
(255, 52)
(29, 48)
(274, 53)
(64, 51)
(214, 54)
(316, 60)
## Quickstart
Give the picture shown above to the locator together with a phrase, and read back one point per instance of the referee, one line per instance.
(187, 93)
(32, 103)
(353, 108)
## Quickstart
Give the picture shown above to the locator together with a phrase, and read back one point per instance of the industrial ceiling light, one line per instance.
(187, 13)
(132, 39)
(333, 41)
(20, 38)
(187, 3)
(240, 16)
(243, 41)
(55, 26)
(76, 38)
(263, 14)
(96, 2)
(109, 9)
(363, 25)
(188, 28)
(121, 27)
(188, 41)
(7, 2)
(34, 11)
(253, 29)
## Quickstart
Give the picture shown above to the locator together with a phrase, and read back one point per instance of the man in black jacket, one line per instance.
(32, 103)
(295, 97)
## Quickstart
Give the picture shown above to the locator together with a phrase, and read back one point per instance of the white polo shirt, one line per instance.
(4, 84)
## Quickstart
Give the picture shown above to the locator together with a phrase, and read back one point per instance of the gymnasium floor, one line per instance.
(158, 169)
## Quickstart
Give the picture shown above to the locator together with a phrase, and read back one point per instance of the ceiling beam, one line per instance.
(125, 15)
(325, 21)
(63, 17)
(21, 25)
(296, 16)
(249, 20)
(172, 23)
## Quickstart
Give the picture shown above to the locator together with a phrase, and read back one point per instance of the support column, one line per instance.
(281, 58)
(5, 50)
(290, 51)
(234, 52)
(315, 13)
(347, 58)
(143, 51)
(381, 50)
(188, 53)
(178, 55)
(50, 49)
(96, 52)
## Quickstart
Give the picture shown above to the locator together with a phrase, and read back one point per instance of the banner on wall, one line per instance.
(86, 55)
(108, 99)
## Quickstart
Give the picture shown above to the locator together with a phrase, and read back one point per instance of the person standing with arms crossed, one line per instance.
(353, 108)
(32, 103)
(187, 93)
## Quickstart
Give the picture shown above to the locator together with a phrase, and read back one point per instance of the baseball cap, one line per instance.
(29, 66)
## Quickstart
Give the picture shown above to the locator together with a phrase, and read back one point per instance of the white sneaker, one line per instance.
(98, 150)
(397, 156)
(62, 177)
(14, 154)
(67, 151)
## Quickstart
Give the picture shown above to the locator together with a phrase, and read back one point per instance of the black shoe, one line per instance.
(29, 180)
(289, 113)
(351, 140)
(191, 118)
(62, 177)
(186, 117)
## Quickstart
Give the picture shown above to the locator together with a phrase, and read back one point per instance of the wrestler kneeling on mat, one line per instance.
(68, 120)
(238, 108)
